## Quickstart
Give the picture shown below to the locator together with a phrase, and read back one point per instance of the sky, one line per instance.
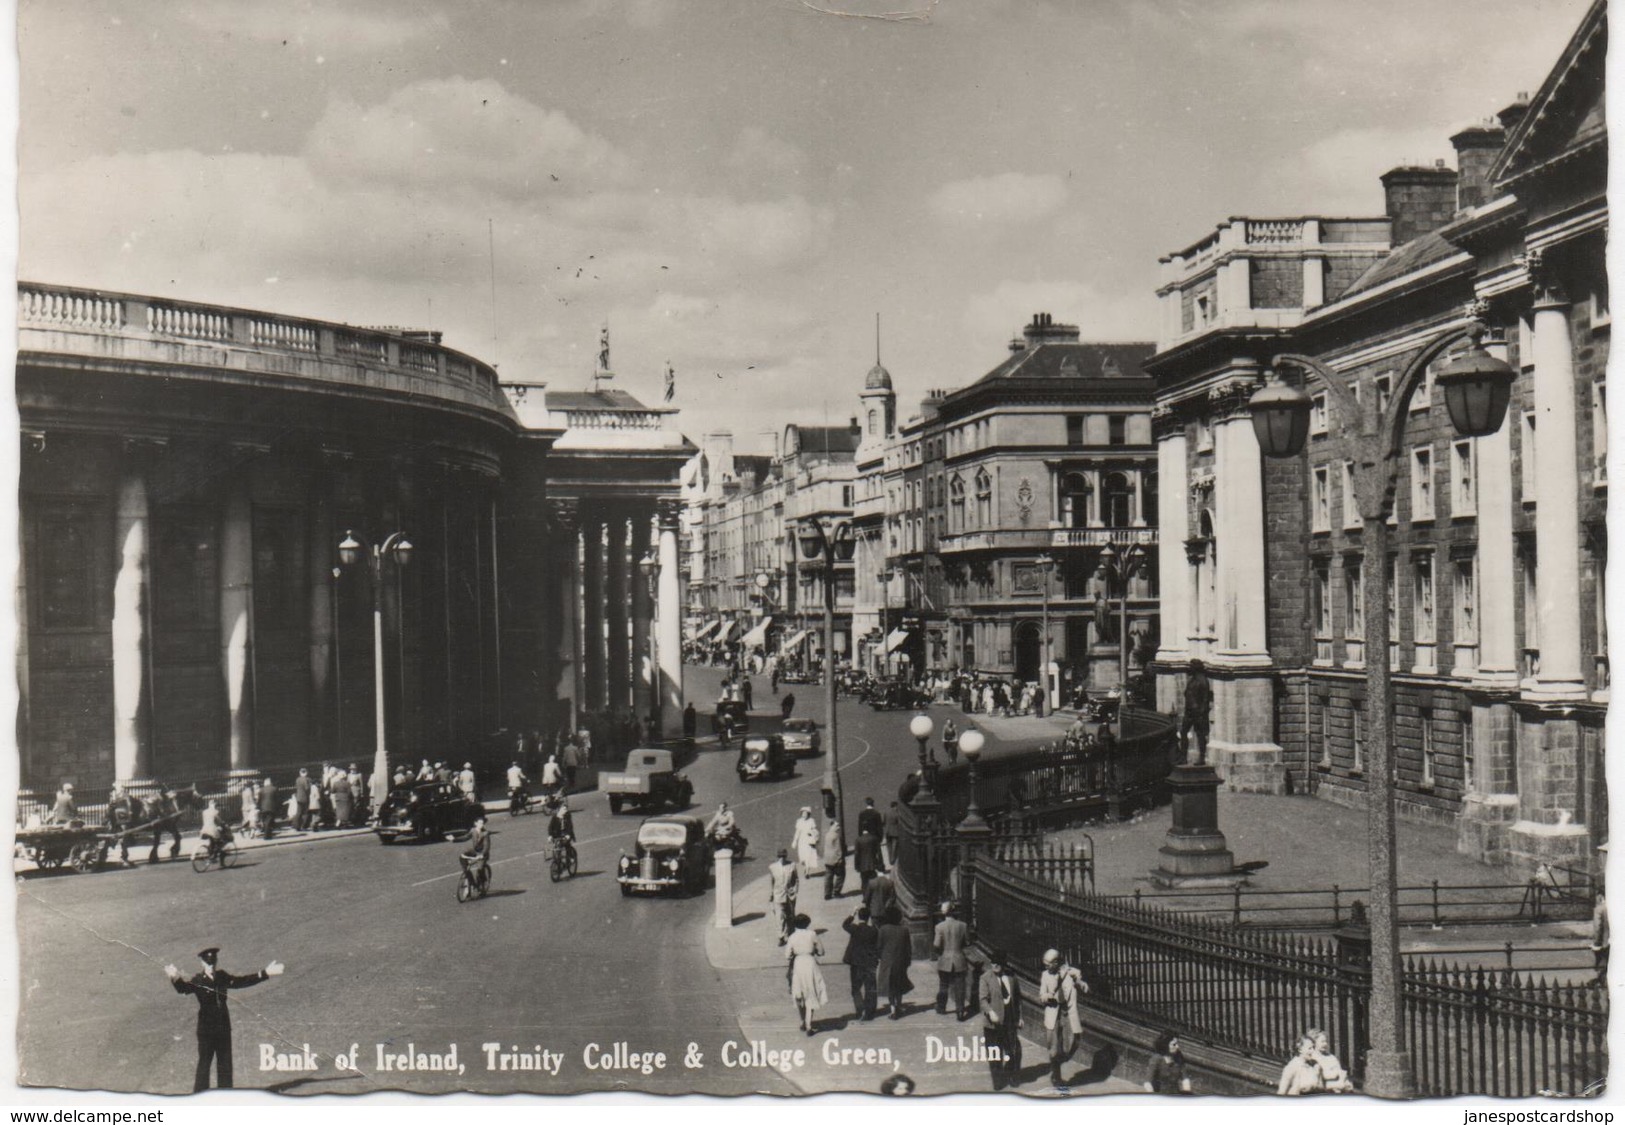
(735, 187)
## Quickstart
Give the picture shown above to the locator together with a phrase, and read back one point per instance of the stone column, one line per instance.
(1173, 502)
(236, 581)
(1245, 752)
(320, 563)
(592, 613)
(566, 569)
(132, 696)
(643, 670)
(669, 623)
(1557, 518)
(20, 650)
(1490, 804)
(618, 603)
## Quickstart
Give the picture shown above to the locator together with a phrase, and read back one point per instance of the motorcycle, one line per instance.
(734, 840)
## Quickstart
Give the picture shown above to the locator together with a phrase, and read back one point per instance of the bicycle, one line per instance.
(470, 885)
(211, 852)
(518, 801)
(561, 861)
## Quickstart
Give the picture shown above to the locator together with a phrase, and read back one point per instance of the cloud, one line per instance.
(760, 159)
(1340, 172)
(996, 315)
(470, 136)
(325, 27)
(1009, 197)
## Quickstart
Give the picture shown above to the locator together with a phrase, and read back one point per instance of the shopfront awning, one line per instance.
(792, 640)
(726, 631)
(705, 630)
(758, 635)
(897, 637)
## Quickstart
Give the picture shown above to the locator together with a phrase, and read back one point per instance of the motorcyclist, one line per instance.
(478, 856)
(723, 829)
(517, 782)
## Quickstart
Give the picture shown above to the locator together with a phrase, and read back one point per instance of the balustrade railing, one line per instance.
(1274, 232)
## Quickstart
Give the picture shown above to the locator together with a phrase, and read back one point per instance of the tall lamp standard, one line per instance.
(833, 542)
(1046, 567)
(885, 613)
(1117, 568)
(351, 551)
(649, 566)
(1477, 387)
(973, 827)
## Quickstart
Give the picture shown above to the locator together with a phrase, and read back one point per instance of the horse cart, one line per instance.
(80, 847)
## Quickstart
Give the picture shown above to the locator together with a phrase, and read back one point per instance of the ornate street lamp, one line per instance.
(352, 551)
(885, 612)
(649, 567)
(835, 544)
(1117, 568)
(970, 745)
(1477, 388)
(921, 727)
(1046, 567)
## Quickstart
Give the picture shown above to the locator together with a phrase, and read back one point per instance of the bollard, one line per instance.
(725, 889)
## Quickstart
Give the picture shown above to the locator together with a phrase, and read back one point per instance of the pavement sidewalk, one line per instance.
(751, 963)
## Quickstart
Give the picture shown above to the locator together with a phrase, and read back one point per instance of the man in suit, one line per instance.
(862, 956)
(301, 796)
(881, 895)
(948, 943)
(213, 1018)
(781, 894)
(870, 820)
(866, 858)
(166, 817)
(269, 807)
(999, 997)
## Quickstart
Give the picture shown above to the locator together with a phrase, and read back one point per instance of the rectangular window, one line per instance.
(1204, 436)
(1321, 501)
(1325, 732)
(1074, 429)
(1357, 736)
(1385, 391)
(1323, 615)
(1464, 478)
(1393, 612)
(1531, 613)
(1469, 772)
(1117, 430)
(1422, 615)
(1422, 484)
(1464, 614)
(1422, 397)
(1317, 413)
(1601, 316)
(1351, 498)
(1354, 599)
(1526, 459)
(846, 496)
(1429, 777)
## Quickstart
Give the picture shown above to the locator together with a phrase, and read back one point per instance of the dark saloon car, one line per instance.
(734, 713)
(425, 810)
(764, 756)
(802, 739)
(672, 854)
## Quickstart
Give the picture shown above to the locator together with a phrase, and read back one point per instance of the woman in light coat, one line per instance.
(1060, 990)
(804, 844)
(807, 986)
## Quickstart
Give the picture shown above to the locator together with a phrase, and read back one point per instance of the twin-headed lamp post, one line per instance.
(834, 543)
(1117, 568)
(1477, 387)
(351, 552)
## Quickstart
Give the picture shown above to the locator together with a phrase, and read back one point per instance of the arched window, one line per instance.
(1114, 496)
(872, 421)
(984, 499)
(956, 502)
(1074, 500)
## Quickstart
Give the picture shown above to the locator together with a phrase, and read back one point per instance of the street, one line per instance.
(384, 962)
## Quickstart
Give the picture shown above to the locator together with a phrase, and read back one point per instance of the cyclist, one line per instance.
(562, 829)
(214, 832)
(477, 859)
(552, 776)
(518, 795)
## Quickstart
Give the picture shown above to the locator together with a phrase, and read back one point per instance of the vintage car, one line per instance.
(649, 781)
(734, 713)
(425, 810)
(764, 756)
(672, 854)
(802, 739)
(895, 695)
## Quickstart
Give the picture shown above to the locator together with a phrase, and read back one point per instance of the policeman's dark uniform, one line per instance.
(213, 1018)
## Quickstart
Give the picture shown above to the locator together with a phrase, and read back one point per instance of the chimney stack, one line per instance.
(1419, 200)
(1512, 114)
(1477, 146)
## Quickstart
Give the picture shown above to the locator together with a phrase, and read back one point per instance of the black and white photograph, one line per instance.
(1033, 549)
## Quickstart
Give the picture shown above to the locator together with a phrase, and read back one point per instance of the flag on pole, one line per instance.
(671, 381)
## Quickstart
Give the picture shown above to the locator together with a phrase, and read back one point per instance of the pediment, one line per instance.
(1568, 113)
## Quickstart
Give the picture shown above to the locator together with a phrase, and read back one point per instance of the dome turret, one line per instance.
(879, 379)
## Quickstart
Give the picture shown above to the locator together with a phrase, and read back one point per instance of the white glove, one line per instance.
(274, 969)
(172, 972)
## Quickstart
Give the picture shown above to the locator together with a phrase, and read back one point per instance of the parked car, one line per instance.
(764, 756)
(672, 854)
(649, 781)
(895, 695)
(802, 739)
(426, 810)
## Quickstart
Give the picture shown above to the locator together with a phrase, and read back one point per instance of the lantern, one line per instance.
(1280, 419)
(1477, 388)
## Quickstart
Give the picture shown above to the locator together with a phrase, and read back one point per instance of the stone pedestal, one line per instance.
(1195, 853)
(724, 917)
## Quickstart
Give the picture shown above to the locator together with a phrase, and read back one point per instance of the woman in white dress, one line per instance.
(807, 989)
(804, 844)
(1332, 1074)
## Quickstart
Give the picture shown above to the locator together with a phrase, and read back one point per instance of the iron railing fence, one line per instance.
(1471, 1030)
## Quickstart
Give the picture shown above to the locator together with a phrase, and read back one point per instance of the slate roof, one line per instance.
(1418, 252)
(835, 439)
(1047, 359)
(608, 398)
